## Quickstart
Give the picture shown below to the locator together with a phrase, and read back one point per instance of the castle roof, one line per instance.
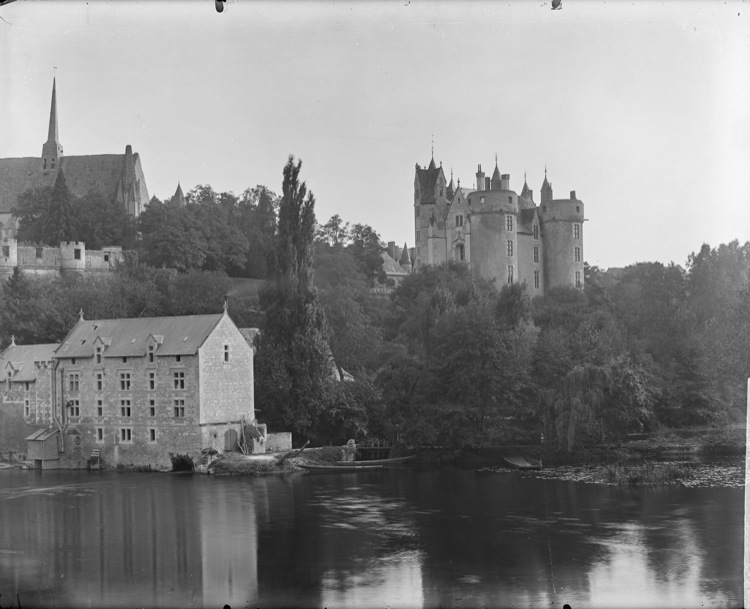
(391, 267)
(405, 256)
(180, 335)
(21, 358)
(525, 220)
(178, 198)
(427, 180)
(104, 173)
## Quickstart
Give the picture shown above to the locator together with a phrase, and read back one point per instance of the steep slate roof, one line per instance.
(99, 172)
(525, 220)
(181, 335)
(427, 180)
(22, 358)
(391, 267)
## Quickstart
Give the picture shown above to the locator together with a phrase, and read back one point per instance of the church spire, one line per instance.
(52, 150)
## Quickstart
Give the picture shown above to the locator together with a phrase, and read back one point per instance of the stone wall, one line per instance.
(279, 441)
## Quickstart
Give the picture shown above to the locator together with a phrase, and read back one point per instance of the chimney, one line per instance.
(480, 178)
(392, 249)
(505, 181)
(572, 195)
(487, 183)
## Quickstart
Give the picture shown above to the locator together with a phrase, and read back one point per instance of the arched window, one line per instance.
(460, 252)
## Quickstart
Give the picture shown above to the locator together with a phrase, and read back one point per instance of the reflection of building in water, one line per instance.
(229, 545)
(114, 543)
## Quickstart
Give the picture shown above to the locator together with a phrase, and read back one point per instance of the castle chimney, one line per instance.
(392, 249)
(487, 183)
(505, 181)
(480, 178)
(572, 195)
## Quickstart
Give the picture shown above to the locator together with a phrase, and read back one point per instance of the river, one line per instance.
(396, 538)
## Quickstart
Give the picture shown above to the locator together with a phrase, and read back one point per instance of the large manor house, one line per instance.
(502, 235)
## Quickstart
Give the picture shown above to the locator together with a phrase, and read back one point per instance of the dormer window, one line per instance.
(98, 355)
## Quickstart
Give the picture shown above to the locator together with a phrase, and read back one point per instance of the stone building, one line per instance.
(117, 176)
(70, 257)
(141, 390)
(501, 234)
(25, 385)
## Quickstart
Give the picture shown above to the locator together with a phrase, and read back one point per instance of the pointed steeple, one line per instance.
(52, 150)
(546, 188)
(178, 198)
(405, 261)
(496, 181)
(432, 163)
(451, 188)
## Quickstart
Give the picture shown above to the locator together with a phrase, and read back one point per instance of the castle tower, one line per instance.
(178, 198)
(52, 149)
(562, 229)
(496, 183)
(73, 256)
(431, 205)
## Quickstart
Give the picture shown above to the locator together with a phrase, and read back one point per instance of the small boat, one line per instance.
(339, 468)
(392, 461)
(523, 462)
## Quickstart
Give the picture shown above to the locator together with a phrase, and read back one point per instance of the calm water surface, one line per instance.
(397, 538)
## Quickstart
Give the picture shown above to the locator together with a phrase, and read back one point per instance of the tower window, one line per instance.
(77, 253)
(536, 231)
(578, 279)
(509, 223)
(150, 354)
(536, 253)
(99, 435)
(510, 200)
(510, 273)
(39, 252)
(536, 280)
(98, 355)
(45, 163)
(460, 252)
(510, 248)
(99, 381)
(576, 231)
(53, 163)
(577, 252)
(152, 436)
(459, 220)
(126, 435)
(99, 408)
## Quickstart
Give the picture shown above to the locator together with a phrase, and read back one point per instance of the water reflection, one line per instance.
(399, 539)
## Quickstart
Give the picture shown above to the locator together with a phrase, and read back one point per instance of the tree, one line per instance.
(61, 220)
(335, 232)
(293, 353)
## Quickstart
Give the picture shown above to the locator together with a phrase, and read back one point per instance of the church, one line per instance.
(118, 176)
(502, 235)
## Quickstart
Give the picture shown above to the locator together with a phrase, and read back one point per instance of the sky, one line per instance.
(640, 107)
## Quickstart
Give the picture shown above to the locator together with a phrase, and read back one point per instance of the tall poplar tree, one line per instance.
(293, 354)
(60, 222)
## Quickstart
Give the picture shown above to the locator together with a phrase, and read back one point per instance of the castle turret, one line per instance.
(562, 229)
(52, 150)
(405, 260)
(73, 256)
(178, 198)
(451, 188)
(496, 181)
(546, 188)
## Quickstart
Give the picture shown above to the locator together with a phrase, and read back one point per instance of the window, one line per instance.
(99, 408)
(76, 253)
(460, 252)
(74, 409)
(178, 359)
(7, 379)
(536, 280)
(152, 436)
(39, 252)
(126, 435)
(152, 408)
(226, 353)
(576, 231)
(124, 360)
(578, 279)
(481, 199)
(6, 251)
(151, 381)
(441, 191)
(510, 200)
(179, 380)
(53, 163)
(74, 381)
(179, 408)
(577, 253)
(459, 220)
(578, 208)
(100, 435)
(510, 248)
(150, 354)
(510, 273)
(73, 361)
(125, 408)
(536, 231)
(509, 223)
(106, 257)
(26, 408)
(28, 385)
(98, 355)
(536, 253)
(124, 381)
(45, 163)
(99, 381)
